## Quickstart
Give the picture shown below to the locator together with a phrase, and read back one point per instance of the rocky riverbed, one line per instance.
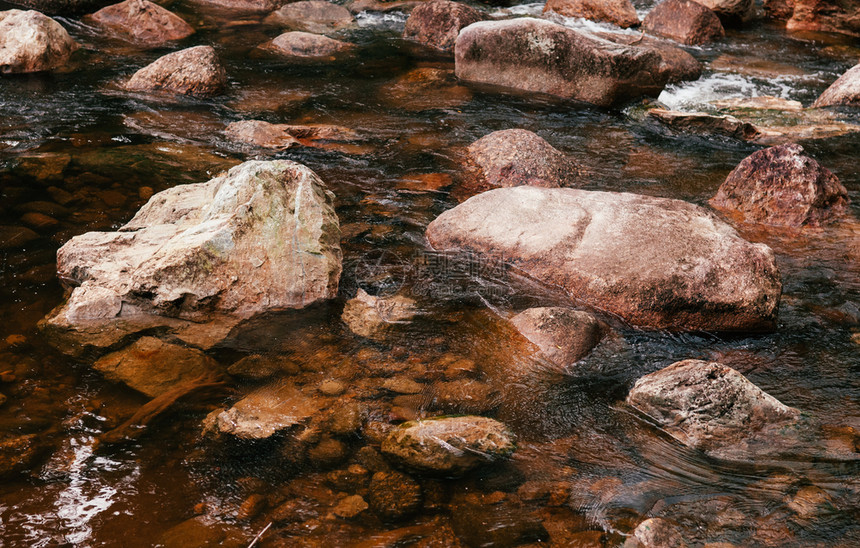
(394, 273)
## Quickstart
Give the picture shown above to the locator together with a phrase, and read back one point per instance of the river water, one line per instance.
(78, 154)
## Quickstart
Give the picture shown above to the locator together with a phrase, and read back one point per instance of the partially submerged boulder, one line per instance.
(142, 22)
(449, 445)
(281, 136)
(304, 46)
(684, 21)
(193, 71)
(535, 55)
(731, 12)
(654, 262)
(263, 236)
(436, 24)
(563, 335)
(154, 367)
(312, 16)
(709, 406)
(678, 65)
(705, 124)
(514, 157)
(372, 317)
(844, 91)
(263, 413)
(32, 42)
(782, 186)
(617, 12)
(842, 16)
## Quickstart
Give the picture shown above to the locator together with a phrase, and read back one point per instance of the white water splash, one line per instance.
(698, 95)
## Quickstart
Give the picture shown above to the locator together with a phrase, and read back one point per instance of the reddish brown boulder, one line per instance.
(782, 186)
(685, 21)
(617, 12)
(32, 42)
(514, 157)
(563, 335)
(730, 12)
(653, 262)
(844, 91)
(61, 7)
(142, 22)
(312, 16)
(255, 6)
(193, 71)
(841, 16)
(303, 46)
(778, 9)
(702, 123)
(536, 55)
(677, 65)
(436, 24)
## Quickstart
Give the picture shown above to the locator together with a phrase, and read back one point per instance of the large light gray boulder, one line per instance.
(193, 71)
(32, 42)
(844, 91)
(263, 236)
(653, 262)
(536, 55)
(710, 406)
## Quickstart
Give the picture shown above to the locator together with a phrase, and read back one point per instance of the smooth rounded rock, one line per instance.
(844, 91)
(563, 335)
(194, 71)
(450, 445)
(142, 22)
(617, 12)
(32, 42)
(684, 21)
(436, 24)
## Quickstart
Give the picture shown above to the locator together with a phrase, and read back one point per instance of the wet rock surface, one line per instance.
(678, 65)
(32, 42)
(312, 16)
(824, 16)
(153, 367)
(539, 56)
(684, 21)
(782, 186)
(711, 407)
(194, 71)
(695, 272)
(450, 446)
(305, 46)
(563, 335)
(844, 91)
(436, 24)
(371, 317)
(142, 22)
(515, 157)
(617, 12)
(706, 124)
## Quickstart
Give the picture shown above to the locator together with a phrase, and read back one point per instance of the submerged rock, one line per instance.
(394, 495)
(304, 46)
(201, 532)
(436, 24)
(617, 12)
(686, 21)
(153, 367)
(425, 88)
(263, 236)
(372, 317)
(17, 453)
(32, 42)
(782, 186)
(563, 335)
(656, 533)
(514, 157)
(710, 407)
(142, 22)
(264, 412)
(312, 16)
(825, 16)
(535, 55)
(844, 91)
(678, 65)
(194, 71)
(451, 446)
(281, 136)
(654, 262)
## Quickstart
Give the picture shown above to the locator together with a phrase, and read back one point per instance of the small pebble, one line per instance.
(350, 507)
(332, 388)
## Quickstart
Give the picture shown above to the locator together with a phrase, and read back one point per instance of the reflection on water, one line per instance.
(76, 154)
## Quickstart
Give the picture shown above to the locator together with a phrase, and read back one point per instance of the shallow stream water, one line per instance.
(84, 155)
